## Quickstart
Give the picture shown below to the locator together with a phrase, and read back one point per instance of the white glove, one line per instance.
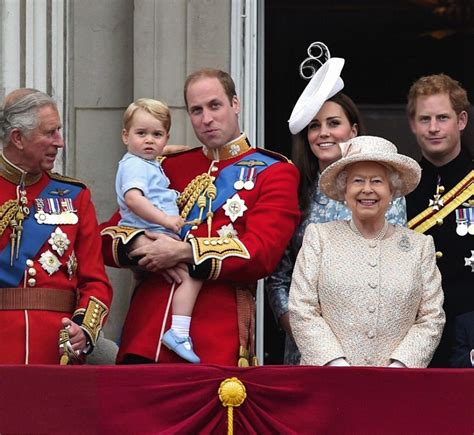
(397, 365)
(338, 362)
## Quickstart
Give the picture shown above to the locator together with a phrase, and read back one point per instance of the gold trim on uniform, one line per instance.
(216, 266)
(228, 151)
(454, 198)
(14, 174)
(219, 248)
(94, 317)
(125, 234)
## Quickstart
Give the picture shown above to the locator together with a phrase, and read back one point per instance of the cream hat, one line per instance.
(371, 149)
(325, 83)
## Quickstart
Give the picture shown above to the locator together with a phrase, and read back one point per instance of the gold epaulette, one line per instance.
(66, 179)
(451, 200)
(94, 316)
(216, 249)
(275, 155)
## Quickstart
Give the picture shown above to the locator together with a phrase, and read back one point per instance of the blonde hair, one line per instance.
(156, 108)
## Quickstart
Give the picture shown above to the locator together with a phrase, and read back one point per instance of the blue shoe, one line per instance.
(183, 346)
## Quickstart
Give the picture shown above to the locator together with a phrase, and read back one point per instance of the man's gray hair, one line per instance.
(22, 112)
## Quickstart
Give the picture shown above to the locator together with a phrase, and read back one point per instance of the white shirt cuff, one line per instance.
(472, 357)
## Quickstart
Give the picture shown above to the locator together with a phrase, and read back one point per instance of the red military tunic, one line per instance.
(67, 266)
(264, 230)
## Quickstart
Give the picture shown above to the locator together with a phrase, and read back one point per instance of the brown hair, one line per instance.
(224, 78)
(156, 108)
(306, 161)
(437, 84)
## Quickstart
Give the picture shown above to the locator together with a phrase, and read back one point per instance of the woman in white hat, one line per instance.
(366, 292)
(319, 122)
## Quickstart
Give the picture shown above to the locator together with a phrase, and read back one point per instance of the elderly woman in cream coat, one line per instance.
(365, 292)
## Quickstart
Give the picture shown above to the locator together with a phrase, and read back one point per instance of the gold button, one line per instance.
(214, 169)
(439, 222)
(441, 189)
(32, 271)
(29, 263)
(439, 254)
(32, 282)
(194, 227)
(206, 242)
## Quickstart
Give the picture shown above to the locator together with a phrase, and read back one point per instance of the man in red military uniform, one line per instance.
(51, 270)
(241, 206)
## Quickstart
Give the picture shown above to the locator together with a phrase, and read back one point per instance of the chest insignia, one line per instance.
(49, 262)
(227, 231)
(59, 241)
(234, 207)
(470, 261)
(72, 265)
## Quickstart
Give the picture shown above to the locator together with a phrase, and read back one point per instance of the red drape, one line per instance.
(180, 398)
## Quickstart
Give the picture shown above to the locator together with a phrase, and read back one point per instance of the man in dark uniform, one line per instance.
(442, 205)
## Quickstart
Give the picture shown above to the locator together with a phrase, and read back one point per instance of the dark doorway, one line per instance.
(386, 44)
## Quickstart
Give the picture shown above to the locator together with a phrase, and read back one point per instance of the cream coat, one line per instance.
(370, 302)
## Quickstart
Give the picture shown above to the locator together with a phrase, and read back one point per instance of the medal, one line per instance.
(40, 215)
(49, 262)
(59, 241)
(72, 265)
(250, 184)
(470, 261)
(461, 222)
(234, 207)
(470, 219)
(54, 211)
(437, 202)
(239, 184)
(227, 231)
(246, 179)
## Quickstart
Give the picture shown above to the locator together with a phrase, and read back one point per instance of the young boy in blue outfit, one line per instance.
(146, 201)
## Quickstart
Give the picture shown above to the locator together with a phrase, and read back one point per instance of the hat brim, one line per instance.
(408, 169)
(325, 83)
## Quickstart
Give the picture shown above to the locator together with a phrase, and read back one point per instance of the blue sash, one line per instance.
(225, 183)
(33, 238)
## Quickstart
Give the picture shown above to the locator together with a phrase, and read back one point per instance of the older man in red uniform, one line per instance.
(51, 270)
(241, 206)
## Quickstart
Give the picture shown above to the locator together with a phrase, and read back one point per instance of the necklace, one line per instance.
(379, 236)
